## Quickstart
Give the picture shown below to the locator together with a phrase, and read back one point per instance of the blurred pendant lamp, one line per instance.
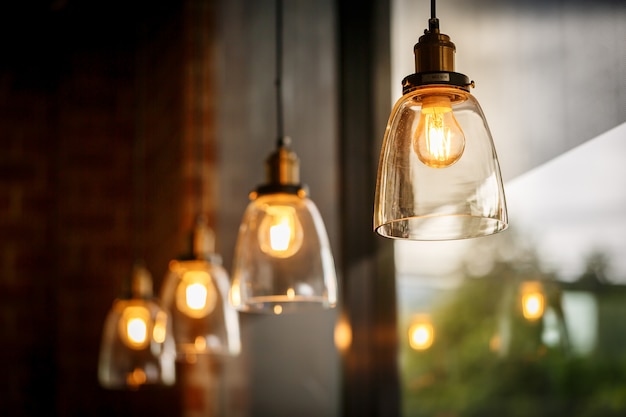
(137, 343)
(438, 174)
(282, 262)
(137, 347)
(195, 289)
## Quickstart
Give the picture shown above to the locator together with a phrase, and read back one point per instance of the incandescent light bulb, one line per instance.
(439, 141)
(195, 295)
(137, 330)
(280, 232)
(133, 327)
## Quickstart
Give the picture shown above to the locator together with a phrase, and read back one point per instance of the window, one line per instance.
(529, 322)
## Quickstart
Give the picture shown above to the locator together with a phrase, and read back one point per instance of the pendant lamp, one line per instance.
(283, 262)
(137, 342)
(195, 288)
(438, 174)
(195, 291)
(137, 347)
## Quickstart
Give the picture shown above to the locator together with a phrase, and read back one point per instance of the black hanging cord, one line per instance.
(138, 165)
(140, 177)
(433, 22)
(279, 72)
(198, 111)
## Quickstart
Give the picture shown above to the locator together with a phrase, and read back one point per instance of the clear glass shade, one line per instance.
(283, 262)
(438, 175)
(196, 293)
(137, 346)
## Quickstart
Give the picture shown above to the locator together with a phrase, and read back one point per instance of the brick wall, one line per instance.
(76, 94)
(26, 263)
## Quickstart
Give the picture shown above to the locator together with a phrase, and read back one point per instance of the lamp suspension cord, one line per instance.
(199, 110)
(433, 22)
(279, 72)
(140, 176)
(138, 166)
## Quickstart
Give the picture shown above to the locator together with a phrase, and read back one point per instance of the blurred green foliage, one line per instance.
(487, 360)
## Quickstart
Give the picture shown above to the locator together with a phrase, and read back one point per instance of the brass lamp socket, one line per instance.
(434, 62)
(141, 282)
(434, 51)
(282, 170)
(200, 244)
(202, 239)
(283, 166)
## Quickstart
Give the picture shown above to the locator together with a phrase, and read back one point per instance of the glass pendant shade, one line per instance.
(195, 291)
(283, 262)
(438, 173)
(137, 341)
(428, 186)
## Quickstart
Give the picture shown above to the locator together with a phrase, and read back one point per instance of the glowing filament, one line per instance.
(280, 235)
(196, 295)
(133, 326)
(137, 330)
(280, 232)
(439, 141)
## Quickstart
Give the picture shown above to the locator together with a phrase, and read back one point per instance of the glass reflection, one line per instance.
(528, 322)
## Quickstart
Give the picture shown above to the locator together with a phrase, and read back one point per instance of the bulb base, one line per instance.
(434, 62)
(200, 244)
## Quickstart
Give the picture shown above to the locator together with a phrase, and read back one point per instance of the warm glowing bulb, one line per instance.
(439, 141)
(195, 295)
(280, 232)
(532, 305)
(137, 330)
(421, 335)
(134, 325)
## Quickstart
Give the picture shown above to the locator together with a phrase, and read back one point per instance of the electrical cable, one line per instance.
(279, 72)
